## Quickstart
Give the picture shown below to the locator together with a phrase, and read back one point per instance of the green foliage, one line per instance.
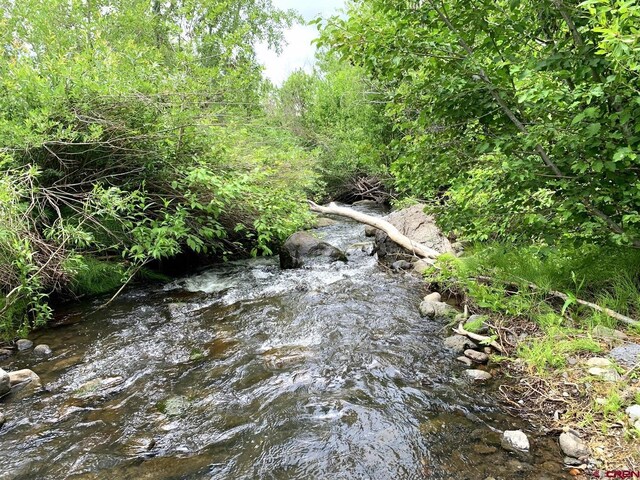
(551, 351)
(94, 277)
(517, 120)
(516, 281)
(333, 111)
(136, 130)
(475, 325)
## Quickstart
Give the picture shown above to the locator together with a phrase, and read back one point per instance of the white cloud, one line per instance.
(299, 53)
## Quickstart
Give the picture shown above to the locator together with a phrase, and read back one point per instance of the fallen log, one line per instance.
(405, 242)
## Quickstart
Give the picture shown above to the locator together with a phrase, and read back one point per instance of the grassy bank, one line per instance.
(549, 340)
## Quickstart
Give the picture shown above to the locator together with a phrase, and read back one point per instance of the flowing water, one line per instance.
(245, 371)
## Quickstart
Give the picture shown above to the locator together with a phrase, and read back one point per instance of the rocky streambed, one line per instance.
(250, 371)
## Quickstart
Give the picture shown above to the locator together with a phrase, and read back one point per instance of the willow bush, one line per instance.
(135, 130)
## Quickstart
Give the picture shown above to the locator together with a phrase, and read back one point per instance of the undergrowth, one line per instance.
(550, 337)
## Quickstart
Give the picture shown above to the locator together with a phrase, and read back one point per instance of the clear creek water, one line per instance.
(245, 371)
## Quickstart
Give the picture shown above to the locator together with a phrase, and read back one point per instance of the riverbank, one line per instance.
(548, 322)
(567, 367)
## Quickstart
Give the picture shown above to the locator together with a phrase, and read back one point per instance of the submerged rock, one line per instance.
(99, 387)
(42, 350)
(515, 441)
(24, 344)
(360, 249)
(478, 375)
(302, 248)
(174, 406)
(573, 446)
(5, 382)
(322, 222)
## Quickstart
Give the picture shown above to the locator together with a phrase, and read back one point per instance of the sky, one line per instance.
(298, 53)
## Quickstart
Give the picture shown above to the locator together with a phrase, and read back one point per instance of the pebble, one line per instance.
(2, 420)
(634, 413)
(573, 446)
(607, 374)
(322, 222)
(478, 375)
(515, 441)
(24, 344)
(467, 361)
(458, 343)
(483, 449)
(43, 350)
(478, 357)
(598, 362)
(433, 297)
(572, 462)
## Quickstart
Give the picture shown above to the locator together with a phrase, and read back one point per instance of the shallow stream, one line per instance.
(245, 371)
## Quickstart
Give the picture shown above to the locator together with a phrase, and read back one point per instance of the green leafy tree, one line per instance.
(132, 131)
(518, 120)
(334, 111)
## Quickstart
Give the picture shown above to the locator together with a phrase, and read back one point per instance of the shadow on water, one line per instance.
(247, 372)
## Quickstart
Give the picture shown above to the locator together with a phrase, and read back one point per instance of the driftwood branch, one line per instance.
(418, 249)
(479, 338)
(565, 297)
(606, 311)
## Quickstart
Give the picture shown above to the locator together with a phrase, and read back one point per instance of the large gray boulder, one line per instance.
(302, 249)
(412, 222)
